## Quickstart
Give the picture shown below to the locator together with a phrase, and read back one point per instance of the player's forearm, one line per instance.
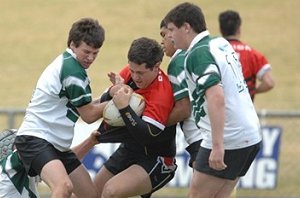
(266, 83)
(84, 147)
(91, 112)
(140, 130)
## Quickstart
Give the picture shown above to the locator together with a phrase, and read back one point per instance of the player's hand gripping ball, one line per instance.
(112, 116)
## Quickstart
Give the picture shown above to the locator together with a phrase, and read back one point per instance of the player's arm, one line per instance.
(216, 114)
(181, 111)
(91, 112)
(84, 147)
(266, 83)
(140, 130)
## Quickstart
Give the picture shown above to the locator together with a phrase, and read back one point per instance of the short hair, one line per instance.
(145, 50)
(87, 30)
(187, 13)
(163, 24)
(229, 22)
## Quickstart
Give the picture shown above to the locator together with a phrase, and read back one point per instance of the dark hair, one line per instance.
(87, 30)
(187, 13)
(145, 50)
(229, 22)
(163, 24)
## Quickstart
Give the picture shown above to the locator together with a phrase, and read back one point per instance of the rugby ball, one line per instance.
(112, 116)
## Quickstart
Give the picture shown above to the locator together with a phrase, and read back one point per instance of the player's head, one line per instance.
(86, 30)
(144, 56)
(185, 21)
(166, 42)
(86, 36)
(229, 22)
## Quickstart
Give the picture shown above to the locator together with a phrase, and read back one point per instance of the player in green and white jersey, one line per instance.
(14, 181)
(61, 96)
(181, 112)
(221, 105)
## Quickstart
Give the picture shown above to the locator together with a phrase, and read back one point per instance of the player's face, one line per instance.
(85, 54)
(166, 42)
(141, 75)
(178, 36)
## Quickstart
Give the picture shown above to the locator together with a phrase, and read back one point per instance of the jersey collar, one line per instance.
(197, 39)
(71, 52)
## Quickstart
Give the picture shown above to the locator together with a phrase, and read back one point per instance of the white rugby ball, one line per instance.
(112, 116)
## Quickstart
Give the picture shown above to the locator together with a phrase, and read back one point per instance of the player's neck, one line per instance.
(232, 37)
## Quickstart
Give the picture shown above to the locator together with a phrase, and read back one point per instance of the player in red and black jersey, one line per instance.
(255, 66)
(145, 161)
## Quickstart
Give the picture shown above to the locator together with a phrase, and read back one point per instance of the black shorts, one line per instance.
(193, 149)
(160, 169)
(238, 162)
(36, 152)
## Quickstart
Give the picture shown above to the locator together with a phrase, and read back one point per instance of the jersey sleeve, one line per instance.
(75, 83)
(177, 77)
(261, 64)
(159, 102)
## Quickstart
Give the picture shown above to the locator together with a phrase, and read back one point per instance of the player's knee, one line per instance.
(64, 188)
(109, 191)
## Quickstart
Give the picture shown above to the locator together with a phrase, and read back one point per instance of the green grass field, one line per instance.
(34, 32)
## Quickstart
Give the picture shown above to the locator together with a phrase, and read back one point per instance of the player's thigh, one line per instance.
(228, 189)
(101, 178)
(83, 185)
(55, 174)
(130, 182)
(204, 185)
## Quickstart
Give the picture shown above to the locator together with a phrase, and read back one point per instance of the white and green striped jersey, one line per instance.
(14, 181)
(51, 113)
(212, 61)
(180, 89)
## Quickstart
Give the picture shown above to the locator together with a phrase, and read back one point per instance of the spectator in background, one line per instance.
(254, 64)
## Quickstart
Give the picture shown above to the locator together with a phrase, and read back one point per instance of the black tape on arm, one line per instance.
(105, 96)
(141, 131)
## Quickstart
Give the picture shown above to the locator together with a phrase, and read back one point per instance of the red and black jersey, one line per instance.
(254, 64)
(148, 136)
(158, 96)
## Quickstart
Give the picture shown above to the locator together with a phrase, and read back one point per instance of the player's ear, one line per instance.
(187, 27)
(157, 65)
(72, 45)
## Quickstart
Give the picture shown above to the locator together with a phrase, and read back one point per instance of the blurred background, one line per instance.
(34, 32)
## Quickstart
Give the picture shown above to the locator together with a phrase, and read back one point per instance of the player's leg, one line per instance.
(118, 161)
(101, 178)
(55, 176)
(40, 158)
(227, 189)
(204, 185)
(131, 182)
(83, 185)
